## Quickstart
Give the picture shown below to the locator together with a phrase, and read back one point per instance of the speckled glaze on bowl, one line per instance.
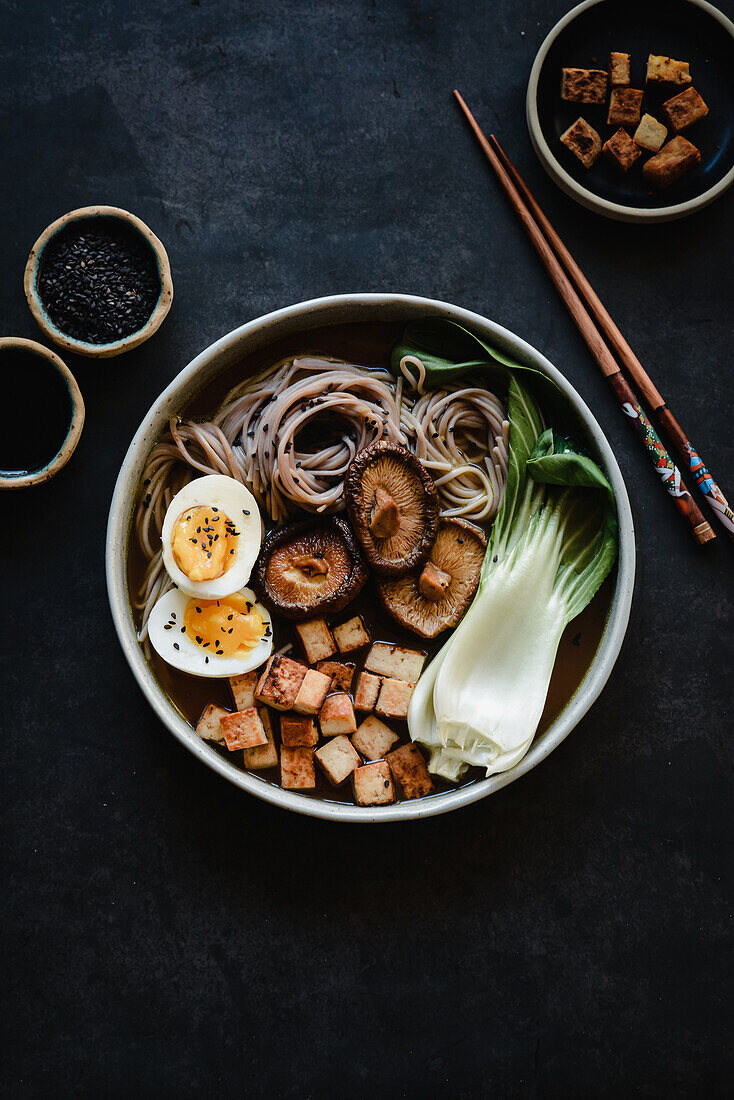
(114, 347)
(343, 309)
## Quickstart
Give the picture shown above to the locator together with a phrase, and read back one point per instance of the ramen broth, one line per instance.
(369, 345)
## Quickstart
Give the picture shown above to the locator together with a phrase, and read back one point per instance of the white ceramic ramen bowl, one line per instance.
(342, 309)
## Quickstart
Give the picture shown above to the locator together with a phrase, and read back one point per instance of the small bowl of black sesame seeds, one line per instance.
(98, 281)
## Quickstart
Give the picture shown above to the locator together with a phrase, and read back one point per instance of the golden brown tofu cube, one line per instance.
(624, 107)
(619, 69)
(673, 161)
(373, 784)
(297, 769)
(312, 692)
(337, 715)
(337, 759)
(280, 683)
(209, 726)
(664, 70)
(298, 730)
(341, 674)
(394, 660)
(621, 150)
(263, 756)
(351, 635)
(409, 770)
(583, 141)
(684, 109)
(243, 729)
(583, 85)
(373, 738)
(243, 689)
(317, 640)
(650, 134)
(394, 697)
(368, 688)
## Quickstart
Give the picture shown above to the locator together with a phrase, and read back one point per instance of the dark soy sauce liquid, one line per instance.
(369, 345)
(37, 398)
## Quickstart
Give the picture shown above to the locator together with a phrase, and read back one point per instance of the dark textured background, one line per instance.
(169, 936)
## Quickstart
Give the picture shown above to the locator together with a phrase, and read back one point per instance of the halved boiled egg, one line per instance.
(211, 536)
(215, 638)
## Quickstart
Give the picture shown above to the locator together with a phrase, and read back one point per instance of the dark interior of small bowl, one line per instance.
(673, 28)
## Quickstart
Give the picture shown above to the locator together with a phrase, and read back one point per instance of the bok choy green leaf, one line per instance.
(553, 542)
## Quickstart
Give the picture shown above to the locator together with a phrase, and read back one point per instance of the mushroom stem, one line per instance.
(433, 582)
(385, 518)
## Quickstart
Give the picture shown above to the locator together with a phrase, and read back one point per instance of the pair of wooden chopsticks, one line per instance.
(585, 308)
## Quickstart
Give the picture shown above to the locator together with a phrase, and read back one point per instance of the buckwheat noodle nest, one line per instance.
(290, 433)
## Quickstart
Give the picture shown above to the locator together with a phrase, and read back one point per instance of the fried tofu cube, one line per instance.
(373, 738)
(341, 673)
(373, 785)
(619, 69)
(280, 682)
(209, 726)
(263, 756)
(650, 134)
(312, 692)
(395, 661)
(317, 640)
(583, 85)
(351, 635)
(673, 161)
(624, 107)
(394, 697)
(621, 150)
(664, 70)
(298, 730)
(409, 770)
(684, 109)
(243, 689)
(337, 759)
(243, 729)
(297, 769)
(583, 141)
(337, 715)
(368, 688)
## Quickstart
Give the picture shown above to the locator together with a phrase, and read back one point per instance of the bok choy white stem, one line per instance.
(552, 545)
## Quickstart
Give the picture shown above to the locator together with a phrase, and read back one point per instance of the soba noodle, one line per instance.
(291, 432)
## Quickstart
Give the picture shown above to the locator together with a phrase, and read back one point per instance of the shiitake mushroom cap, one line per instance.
(458, 551)
(387, 470)
(287, 577)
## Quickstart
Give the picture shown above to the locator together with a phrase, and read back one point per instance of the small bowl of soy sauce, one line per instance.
(46, 413)
(98, 281)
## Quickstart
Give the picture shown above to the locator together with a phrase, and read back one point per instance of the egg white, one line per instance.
(190, 657)
(238, 503)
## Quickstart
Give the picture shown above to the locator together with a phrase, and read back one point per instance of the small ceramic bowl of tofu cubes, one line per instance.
(630, 107)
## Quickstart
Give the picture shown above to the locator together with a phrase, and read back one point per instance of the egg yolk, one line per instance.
(225, 627)
(203, 543)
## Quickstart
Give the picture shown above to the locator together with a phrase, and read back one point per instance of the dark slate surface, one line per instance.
(168, 935)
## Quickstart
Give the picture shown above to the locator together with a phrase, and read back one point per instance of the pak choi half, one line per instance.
(553, 542)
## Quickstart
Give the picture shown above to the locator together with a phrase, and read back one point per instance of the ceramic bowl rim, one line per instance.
(614, 210)
(82, 347)
(67, 448)
(341, 309)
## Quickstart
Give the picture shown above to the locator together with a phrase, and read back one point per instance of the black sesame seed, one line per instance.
(176, 645)
(99, 282)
